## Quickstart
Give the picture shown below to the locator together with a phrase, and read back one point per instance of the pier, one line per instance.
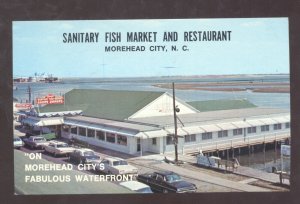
(236, 143)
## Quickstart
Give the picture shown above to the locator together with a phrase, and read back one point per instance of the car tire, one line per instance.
(81, 161)
(54, 154)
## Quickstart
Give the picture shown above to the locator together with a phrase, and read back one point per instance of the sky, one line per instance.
(257, 46)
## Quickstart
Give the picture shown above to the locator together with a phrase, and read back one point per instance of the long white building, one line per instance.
(134, 122)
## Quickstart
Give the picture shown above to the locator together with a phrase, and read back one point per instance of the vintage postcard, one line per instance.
(151, 106)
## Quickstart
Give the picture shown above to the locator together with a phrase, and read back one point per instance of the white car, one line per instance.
(117, 166)
(18, 143)
(84, 156)
(58, 148)
(136, 186)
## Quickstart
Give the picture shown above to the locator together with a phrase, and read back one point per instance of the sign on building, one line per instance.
(50, 99)
(286, 150)
(23, 105)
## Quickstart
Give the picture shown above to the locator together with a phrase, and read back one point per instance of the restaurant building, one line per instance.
(134, 122)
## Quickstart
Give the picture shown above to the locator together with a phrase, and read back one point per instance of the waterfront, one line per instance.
(258, 160)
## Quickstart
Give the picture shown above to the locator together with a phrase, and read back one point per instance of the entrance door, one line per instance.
(138, 143)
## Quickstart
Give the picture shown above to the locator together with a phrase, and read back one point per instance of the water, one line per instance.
(266, 160)
(259, 160)
(275, 100)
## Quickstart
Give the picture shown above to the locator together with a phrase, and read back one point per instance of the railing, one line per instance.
(241, 141)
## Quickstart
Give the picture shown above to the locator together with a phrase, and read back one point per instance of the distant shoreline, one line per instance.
(260, 87)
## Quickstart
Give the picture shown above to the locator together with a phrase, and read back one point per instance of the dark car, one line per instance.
(83, 156)
(166, 181)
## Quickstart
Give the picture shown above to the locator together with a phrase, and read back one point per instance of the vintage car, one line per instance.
(136, 186)
(83, 156)
(117, 166)
(35, 142)
(18, 143)
(166, 182)
(58, 148)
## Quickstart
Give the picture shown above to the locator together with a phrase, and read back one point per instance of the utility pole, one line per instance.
(175, 109)
(29, 93)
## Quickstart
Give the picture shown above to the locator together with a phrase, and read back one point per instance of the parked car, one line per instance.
(166, 181)
(83, 156)
(18, 143)
(136, 186)
(58, 148)
(35, 142)
(117, 166)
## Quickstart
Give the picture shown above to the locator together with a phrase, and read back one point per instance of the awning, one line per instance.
(240, 124)
(226, 126)
(282, 119)
(180, 131)
(51, 121)
(73, 123)
(43, 121)
(193, 130)
(152, 134)
(268, 121)
(210, 128)
(255, 123)
(104, 128)
(61, 113)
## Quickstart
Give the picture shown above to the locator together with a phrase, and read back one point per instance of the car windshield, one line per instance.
(121, 162)
(172, 178)
(144, 190)
(88, 153)
(62, 145)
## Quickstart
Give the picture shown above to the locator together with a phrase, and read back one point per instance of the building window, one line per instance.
(207, 136)
(190, 138)
(82, 131)
(91, 133)
(66, 128)
(277, 126)
(122, 140)
(169, 140)
(110, 137)
(238, 131)
(223, 133)
(153, 141)
(74, 130)
(251, 130)
(264, 128)
(287, 125)
(100, 135)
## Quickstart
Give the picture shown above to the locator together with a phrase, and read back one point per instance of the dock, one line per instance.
(235, 143)
(253, 174)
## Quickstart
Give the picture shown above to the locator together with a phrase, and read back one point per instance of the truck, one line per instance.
(35, 142)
